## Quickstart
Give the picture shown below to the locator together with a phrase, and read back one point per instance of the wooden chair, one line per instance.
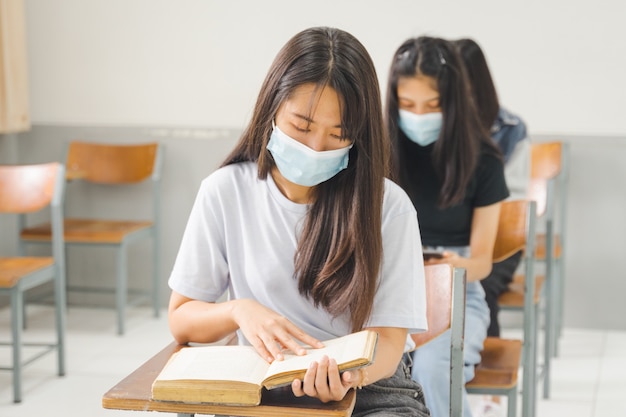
(26, 189)
(445, 300)
(548, 186)
(548, 181)
(113, 166)
(497, 373)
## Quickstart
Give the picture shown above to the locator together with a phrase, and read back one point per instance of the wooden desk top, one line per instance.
(134, 393)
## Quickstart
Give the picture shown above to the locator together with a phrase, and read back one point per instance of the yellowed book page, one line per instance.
(216, 363)
(343, 349)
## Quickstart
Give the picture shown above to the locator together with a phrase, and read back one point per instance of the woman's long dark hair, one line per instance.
(462, 138)
(339, 253)
(481, 83)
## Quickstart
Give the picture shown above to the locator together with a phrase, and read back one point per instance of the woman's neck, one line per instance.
(297, 193)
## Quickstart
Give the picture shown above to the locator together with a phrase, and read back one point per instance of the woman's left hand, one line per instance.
(448, 257)
(323, 381)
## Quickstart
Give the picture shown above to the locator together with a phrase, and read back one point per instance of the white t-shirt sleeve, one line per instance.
(201, 267)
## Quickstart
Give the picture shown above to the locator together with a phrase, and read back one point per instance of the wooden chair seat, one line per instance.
(514, 297)
(540, 249)
(499, 364)
(88, 230)
(13, 269)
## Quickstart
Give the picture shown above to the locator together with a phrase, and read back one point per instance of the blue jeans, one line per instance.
(431, 362)
(398, 395)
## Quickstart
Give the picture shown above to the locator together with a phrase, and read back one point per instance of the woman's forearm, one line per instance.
(199, 321)
(389, 350)
(476, 268)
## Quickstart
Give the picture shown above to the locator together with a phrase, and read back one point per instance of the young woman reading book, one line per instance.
(302, 228)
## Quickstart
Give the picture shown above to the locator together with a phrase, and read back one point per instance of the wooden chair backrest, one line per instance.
(111, 163)
(439, 280)
(511, 236)
(545, 160)
(545, 165)
(27, 188)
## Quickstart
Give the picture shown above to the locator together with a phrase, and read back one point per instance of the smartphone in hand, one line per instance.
(432, 254)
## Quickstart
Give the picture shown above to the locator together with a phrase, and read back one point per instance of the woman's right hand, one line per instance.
(269, 332)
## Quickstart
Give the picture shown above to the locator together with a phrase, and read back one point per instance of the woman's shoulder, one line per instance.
(396, 200)
(508, 127)
(230, 178)
(506, 117)
(490, 158)
(232, 173)
(489, 177)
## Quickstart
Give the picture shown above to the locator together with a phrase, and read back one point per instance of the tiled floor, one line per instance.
(589, 377)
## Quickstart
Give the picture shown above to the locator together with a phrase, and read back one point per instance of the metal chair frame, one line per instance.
(41, 270)
(550, 176)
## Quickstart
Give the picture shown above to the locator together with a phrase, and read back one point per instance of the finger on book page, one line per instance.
(289, 340)
(305, 338)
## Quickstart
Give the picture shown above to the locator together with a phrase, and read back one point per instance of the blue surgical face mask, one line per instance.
(422, 129)
(302, 165)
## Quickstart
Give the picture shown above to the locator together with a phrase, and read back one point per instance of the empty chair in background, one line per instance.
(548, 187)
(113, 165)
(24, 190)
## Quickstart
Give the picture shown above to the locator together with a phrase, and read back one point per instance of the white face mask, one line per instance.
(302, 165)
(422, 129)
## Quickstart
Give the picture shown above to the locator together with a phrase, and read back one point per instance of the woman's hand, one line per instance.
(269, 332)
(482, 241)
(447, 257)
(323, 381)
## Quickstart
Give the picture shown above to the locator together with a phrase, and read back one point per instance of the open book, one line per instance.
(235, 375)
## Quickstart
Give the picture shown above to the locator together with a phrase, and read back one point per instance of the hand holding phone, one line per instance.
(432, 254)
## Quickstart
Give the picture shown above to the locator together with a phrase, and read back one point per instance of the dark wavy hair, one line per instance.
(456, 152)
(339, 252)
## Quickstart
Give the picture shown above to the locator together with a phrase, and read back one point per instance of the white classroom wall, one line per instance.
(187, 72)
(558, 63)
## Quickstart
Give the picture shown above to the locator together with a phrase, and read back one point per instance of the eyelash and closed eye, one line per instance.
(306, 130)
(432, 107)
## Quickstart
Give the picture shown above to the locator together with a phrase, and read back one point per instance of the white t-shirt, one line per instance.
(242, 235)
